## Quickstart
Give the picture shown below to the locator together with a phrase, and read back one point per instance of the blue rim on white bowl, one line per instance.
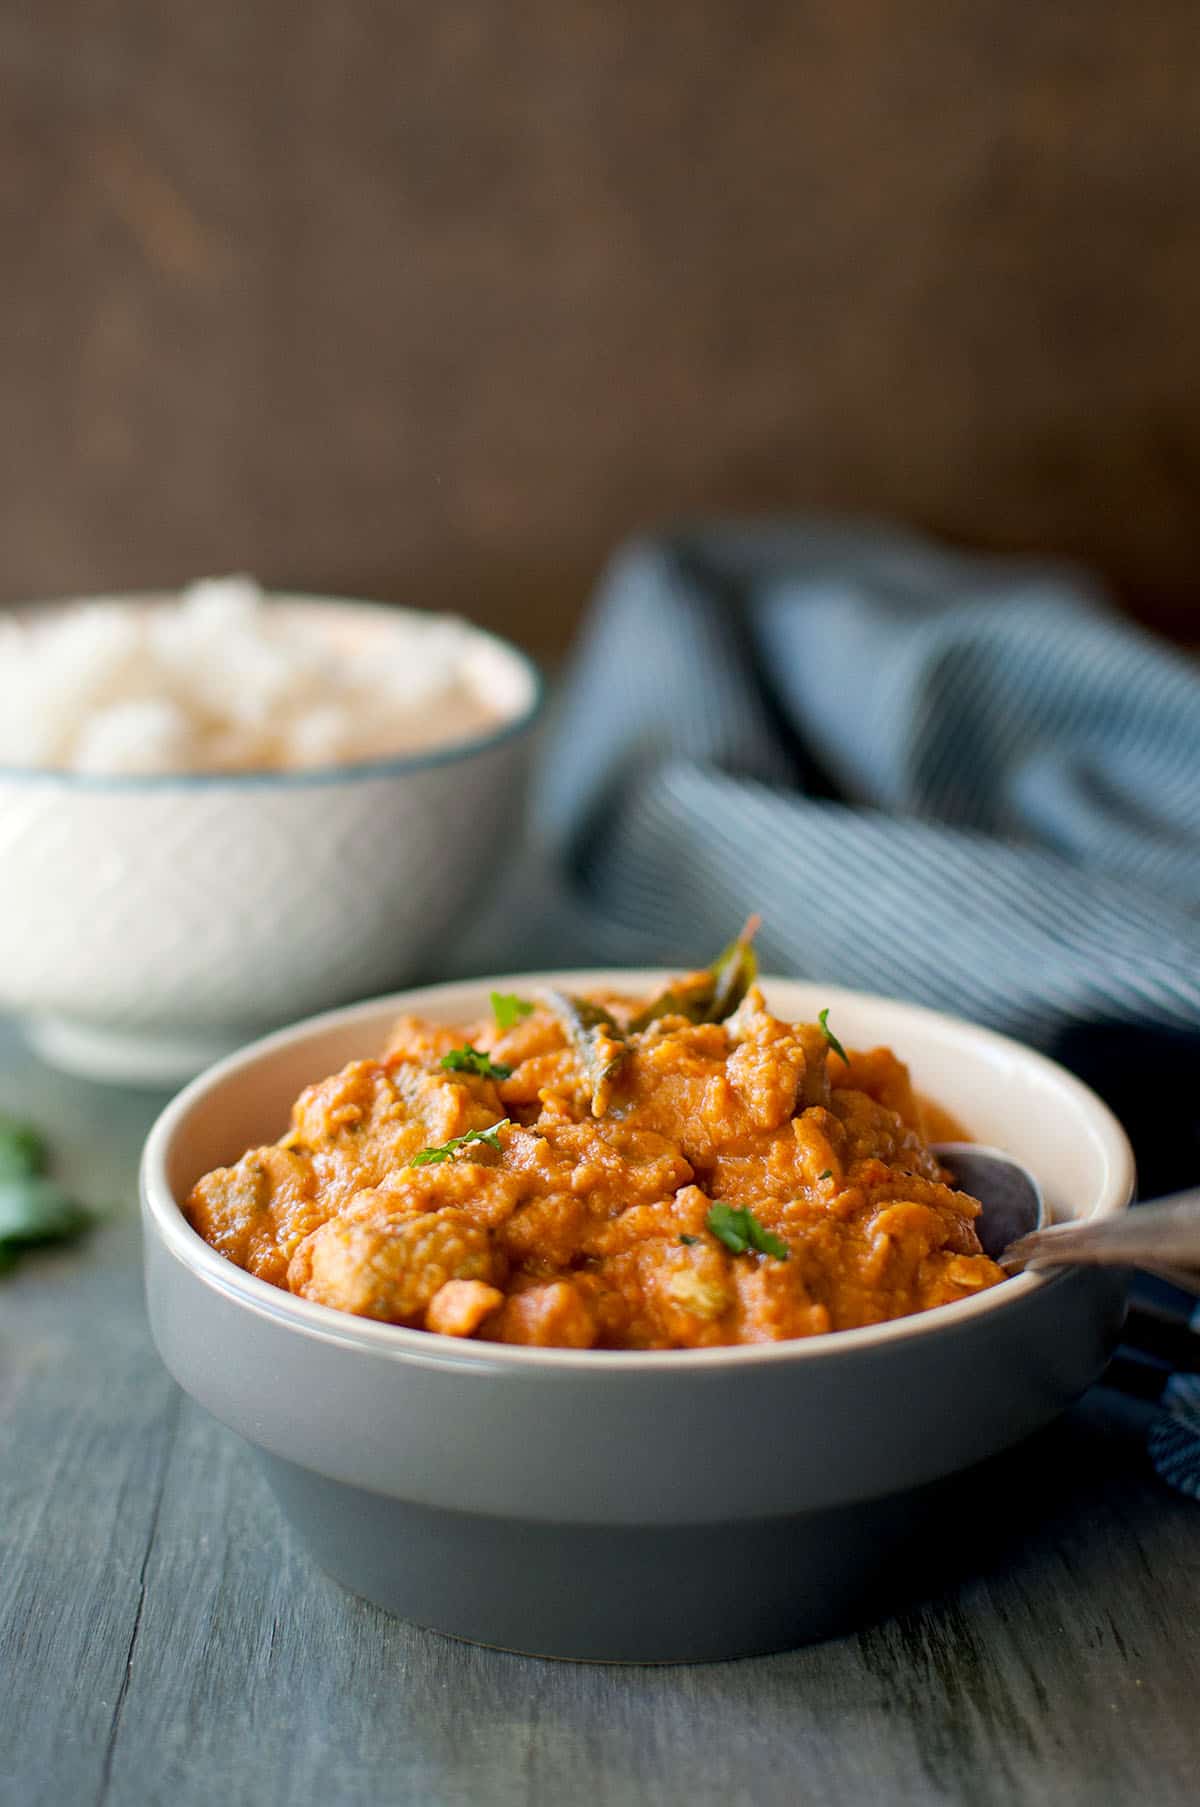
(300, 776)
(140, 944)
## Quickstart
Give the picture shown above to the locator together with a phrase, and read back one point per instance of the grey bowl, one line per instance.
(661, 1506)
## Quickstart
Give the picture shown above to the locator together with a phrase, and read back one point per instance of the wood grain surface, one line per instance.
(164, 1641)
(438, 303)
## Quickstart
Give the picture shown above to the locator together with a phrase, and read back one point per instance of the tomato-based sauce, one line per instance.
(573, 1180)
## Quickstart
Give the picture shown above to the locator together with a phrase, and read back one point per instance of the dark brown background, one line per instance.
(439, 301)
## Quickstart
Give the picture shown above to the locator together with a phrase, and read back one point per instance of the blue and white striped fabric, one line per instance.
(1174, 1437)
(961, 781)
(1006, 821)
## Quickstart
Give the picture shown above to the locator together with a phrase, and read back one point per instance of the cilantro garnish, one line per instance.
(446, 1151)
(830, 1037)
(742, 1233)
(22, 1150)
(827, 1175)
(689, 1240)
(508, 1009)
(472, 1060)
(33, 1209)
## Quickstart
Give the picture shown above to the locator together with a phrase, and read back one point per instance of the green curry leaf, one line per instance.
(830, 1037)
(713, 994)
(596, 1038)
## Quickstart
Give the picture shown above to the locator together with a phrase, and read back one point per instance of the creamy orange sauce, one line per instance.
(586, 1220)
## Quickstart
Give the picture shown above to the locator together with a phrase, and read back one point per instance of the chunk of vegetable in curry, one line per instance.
(608, 1172)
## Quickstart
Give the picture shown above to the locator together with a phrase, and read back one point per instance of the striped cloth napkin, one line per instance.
(961, 781)
(1174, 1438)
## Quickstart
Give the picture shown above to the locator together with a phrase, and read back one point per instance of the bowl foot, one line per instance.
(127, 1056)
(591, 1593)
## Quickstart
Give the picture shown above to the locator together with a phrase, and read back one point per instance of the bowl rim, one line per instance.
(294, 777)
(323, 1323)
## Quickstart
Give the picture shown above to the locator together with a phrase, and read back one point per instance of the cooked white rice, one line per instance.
(224, 680)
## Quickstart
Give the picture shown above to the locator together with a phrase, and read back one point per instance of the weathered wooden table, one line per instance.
(163, 1638)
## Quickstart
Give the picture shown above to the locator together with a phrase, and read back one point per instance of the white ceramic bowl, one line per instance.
(149, 925)
(651, 1506)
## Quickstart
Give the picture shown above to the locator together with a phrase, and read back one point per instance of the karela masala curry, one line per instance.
(608, 1172)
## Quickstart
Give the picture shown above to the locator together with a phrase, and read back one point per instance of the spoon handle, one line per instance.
(1162, 1238)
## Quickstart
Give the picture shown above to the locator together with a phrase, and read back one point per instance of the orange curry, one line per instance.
(606, 1173)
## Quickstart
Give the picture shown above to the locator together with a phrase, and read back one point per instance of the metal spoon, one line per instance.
(1162, 1238)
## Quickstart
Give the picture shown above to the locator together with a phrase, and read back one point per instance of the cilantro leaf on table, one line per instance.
(22, 1149)
(34, 1209)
